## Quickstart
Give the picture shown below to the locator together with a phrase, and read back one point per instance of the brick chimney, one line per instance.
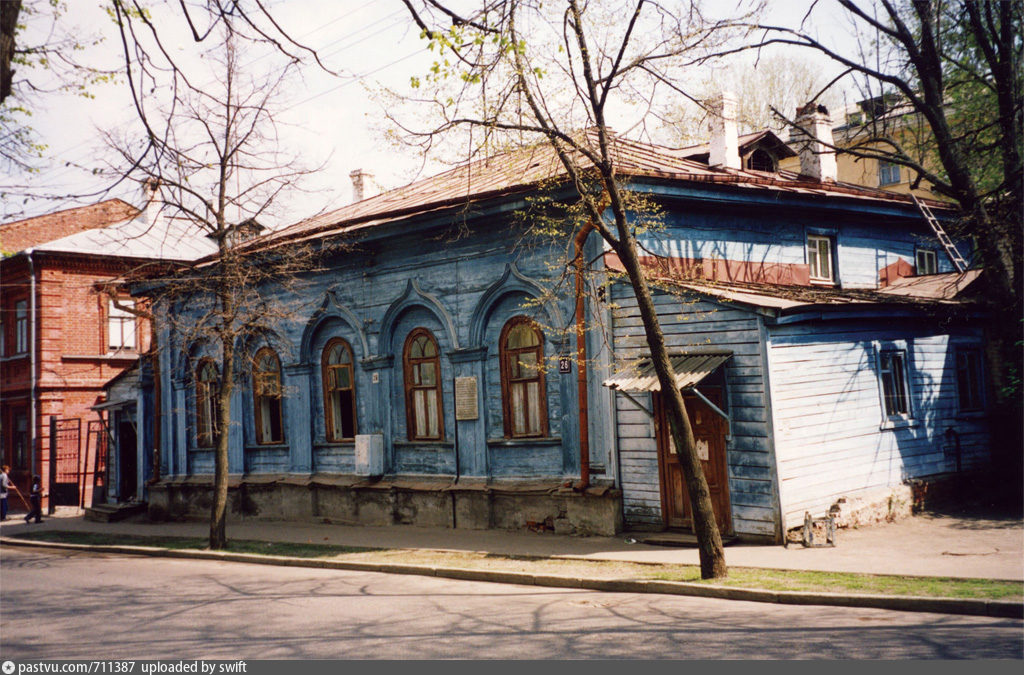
(362, 185)
(812, 139)
(724, 148)
(151, 188)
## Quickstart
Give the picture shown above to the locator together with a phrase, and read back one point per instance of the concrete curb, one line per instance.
(972, 607)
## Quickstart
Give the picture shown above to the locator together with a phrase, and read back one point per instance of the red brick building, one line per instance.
(61, 337)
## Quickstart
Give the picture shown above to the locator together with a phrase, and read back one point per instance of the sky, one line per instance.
(333, 122)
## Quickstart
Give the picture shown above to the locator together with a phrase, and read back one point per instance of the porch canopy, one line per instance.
(690, 370)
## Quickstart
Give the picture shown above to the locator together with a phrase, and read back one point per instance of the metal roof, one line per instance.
(168, 239)
(530, 167)
(690, 369)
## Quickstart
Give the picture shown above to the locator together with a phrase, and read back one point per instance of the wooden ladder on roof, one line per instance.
(954, 255)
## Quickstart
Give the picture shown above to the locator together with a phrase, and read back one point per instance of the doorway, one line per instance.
(709, 430)
(127, 458)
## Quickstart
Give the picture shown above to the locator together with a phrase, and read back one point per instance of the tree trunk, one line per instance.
(709, 539)
(219, 507)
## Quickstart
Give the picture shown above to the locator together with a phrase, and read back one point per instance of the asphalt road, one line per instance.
(92, 606)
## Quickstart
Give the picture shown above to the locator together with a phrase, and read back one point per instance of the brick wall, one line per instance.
(73, 359)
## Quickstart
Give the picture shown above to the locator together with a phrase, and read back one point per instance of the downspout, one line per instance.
(32, 360)
(581, 359)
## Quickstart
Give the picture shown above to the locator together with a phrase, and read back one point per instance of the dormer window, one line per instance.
(761, 160)
(240, 232)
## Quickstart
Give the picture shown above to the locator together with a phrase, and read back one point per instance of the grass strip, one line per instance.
(739, 577)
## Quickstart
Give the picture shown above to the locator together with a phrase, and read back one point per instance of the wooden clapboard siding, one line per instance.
(690, 323)
(828, 416)
(863, 248)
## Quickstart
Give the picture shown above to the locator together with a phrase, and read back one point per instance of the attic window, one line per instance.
(761, 160)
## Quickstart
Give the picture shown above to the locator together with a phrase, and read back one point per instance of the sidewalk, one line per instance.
(963, 545)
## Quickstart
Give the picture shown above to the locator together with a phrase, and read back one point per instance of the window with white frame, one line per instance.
(888, 173)
(892, 370)
(120, 326)
(21, 326)
(925, 262)
(819, 258)
(969, 380)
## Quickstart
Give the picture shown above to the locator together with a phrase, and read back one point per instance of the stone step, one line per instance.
(109, 513)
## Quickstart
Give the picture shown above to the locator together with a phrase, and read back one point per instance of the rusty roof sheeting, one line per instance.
(529, 167)
(690, 369)
(931, 290)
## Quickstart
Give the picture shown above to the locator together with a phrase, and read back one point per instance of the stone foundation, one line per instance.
(352, 500)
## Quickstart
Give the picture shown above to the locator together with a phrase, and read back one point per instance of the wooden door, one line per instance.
(709, 433)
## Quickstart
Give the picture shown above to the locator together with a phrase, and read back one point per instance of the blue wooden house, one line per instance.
(433, 377)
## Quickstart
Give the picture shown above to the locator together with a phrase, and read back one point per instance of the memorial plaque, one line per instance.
(466, 398)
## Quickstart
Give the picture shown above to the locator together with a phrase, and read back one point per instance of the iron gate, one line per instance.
(65, 461)
(95, 462)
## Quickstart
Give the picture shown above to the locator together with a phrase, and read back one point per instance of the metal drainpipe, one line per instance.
(581, 359)
(32, 360)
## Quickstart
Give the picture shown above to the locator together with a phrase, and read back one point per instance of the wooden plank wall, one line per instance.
(828, 413)
(690, 324)
(864, 245)
(442, 283)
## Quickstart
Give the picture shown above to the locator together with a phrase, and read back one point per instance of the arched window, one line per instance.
(523, 394)
(339, 391)
(761, 160)
(266, 394)
(422, 387)
(207, 388)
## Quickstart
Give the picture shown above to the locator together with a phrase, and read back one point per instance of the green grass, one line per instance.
(739, 577)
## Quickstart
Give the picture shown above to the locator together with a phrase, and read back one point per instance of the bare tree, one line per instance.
(946, 82)
(518, 72)
(772, 82)
(209, 146)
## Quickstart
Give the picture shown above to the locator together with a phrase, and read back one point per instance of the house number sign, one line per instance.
(564, 364)
(466, 399)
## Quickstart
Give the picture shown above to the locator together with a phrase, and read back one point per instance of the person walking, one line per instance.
(5, 484)
(36, 498)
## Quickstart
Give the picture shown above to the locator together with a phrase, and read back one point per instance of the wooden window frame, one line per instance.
(885, 173)
(325, 369)
(206, 415)
(816, 240)
(924, 254)
(407, 372)
(895, 380)
(21, 337)
(259, 394)
(506, 379)
(764, 157)
(122, 318)
(970, 379)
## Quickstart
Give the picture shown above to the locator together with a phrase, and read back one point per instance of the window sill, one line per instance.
(823, 282)
(14, 357)
(521, 442)
(114, 356)
(428, 445)
(899, 423)
(268, 446)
